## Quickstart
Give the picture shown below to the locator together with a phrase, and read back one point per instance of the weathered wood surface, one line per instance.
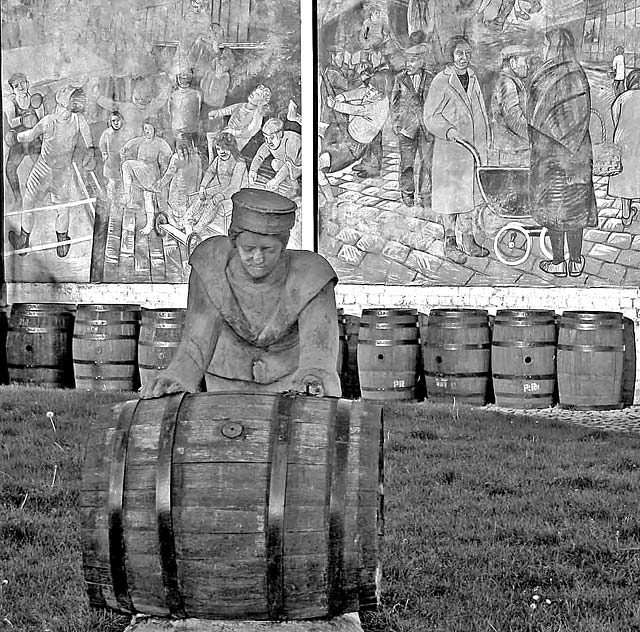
(388, 350)
(457, 354)
(105, 347)
(38, 344)
(590, 360)
(221, 469)
(523, 358)
(345, 623)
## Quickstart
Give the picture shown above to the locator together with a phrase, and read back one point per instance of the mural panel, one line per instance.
(128, 125)
(479, 142)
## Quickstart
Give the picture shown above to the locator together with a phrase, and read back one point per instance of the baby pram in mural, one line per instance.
(505, 193)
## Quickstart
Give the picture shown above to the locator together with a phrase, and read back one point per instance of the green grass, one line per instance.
(487, 514)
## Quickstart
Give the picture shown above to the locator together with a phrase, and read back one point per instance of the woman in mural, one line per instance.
(625, 112)
(558, 113)
(454, 110)
(226, 174)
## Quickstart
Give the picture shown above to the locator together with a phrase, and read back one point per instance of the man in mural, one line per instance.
(226, 174)
(454, 111)
(374, 34)
(53, 171)
(141, 106)
(334, 81)
(184, 107)
(22, 110)
(561, 180)
(111, 143)
(509, 109)
(144, 158)
(182, 177)
(346, 142)
(260, 318)
(284, 148)
(618, 71)
(245, 119)
(408, 95)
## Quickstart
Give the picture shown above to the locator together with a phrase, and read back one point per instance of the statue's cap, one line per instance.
(261, 211)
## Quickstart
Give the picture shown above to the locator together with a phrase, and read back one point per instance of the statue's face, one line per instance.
(259, 254)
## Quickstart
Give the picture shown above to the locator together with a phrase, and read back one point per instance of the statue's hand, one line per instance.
(312, 385)
(159, 386)
(309, 382)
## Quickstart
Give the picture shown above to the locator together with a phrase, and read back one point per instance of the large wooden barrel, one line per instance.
(457, 354)
(231, 505)
(105, 347)
(159, 337)
(38, 344)
(590, 360)
(523, 358)
(388, 348)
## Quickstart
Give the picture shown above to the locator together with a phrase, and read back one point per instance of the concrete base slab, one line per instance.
(345, 623)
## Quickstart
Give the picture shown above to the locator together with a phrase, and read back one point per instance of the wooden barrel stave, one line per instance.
(456, 355)
(388, 349)
(158, 339)
(523, 358)
(206, 503)
(38, 344)
(590, 360)
(105, 347)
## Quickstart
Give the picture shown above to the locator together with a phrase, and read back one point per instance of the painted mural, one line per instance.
(128, 126)
(479, 142)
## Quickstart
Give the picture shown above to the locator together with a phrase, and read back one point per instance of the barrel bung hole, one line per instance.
(29, 348)
(438, 359)
(381, 356)
(528, 360)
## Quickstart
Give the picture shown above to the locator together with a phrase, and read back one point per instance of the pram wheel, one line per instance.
(512, 244)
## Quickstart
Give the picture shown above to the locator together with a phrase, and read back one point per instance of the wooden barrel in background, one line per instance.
(349, 378)
(105, 347)
(233, 505)
(388, 348)
(159, 337)
(456, 354)
(38, 344)
(590, 360)
(523, 358)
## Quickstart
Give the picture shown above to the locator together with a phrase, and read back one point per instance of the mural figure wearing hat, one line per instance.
(334, 81)
(53, 171)
(260, 318)
(284, 148)
(509, 109)
(409, 92)
(454, 110)
(22, 110)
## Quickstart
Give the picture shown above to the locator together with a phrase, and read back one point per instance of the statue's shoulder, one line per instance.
(311, 266)
(211, 252)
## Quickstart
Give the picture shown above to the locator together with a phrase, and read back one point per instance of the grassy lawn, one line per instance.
(494, 522)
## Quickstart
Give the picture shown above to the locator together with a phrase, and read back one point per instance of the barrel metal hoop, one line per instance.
(166, 537)
(458, 346)
(522, 344)
(444, 374)
(109, 363)
(384, 389)
(383, 325)
(102, 337)
(515, 376)
(523, 395)
(590, 348)
(456, 325)
(388, 343)
(117, 552)
(274, 531)
(337, 506)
